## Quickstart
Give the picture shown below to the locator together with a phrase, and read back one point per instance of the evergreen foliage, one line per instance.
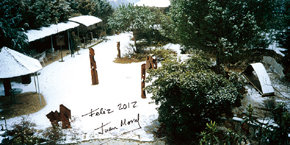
(225, 27)
(23, 133)
(131, 18)
(19, 15)
(267, 133)
(11, 30)
(283, 34)
(190, 94)
(143, 21)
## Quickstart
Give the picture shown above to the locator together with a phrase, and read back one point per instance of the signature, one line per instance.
(105, 128)
(103, 111)
(120, 124)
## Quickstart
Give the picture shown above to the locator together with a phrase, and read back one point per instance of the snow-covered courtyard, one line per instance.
(112, 109)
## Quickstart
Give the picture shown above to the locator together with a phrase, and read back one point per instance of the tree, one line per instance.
(11, 30)
(37, 13)
(85, 7)
(60, 11)
(225, 27)
(190, 94)
(133, 18)
(283, 35)
(103, 10)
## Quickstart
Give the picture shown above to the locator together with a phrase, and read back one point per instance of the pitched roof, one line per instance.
(50, 30)
(15, 64)
(86, 20)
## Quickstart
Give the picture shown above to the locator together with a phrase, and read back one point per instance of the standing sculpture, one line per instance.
(64, 115)
(94, 73)
(151, 63)
(118, 48)
(143, 77)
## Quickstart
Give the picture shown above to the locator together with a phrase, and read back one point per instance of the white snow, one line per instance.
(69, 83)
(14, 64)
(86, 20)
(274, 46)
(154, 3)
(263, 78)
(174, 47)
(48, 31)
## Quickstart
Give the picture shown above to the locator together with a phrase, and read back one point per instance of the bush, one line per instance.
(282, 118)
(162, 54)
(54, 134)
(190, 94)
(23, 133)
(267, 133)
(218, 135)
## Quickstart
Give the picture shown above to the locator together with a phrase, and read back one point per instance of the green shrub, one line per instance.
(54, 135)
(214, 134)
(190, 94)
(23, 133)
(267, 133)
(162, 54)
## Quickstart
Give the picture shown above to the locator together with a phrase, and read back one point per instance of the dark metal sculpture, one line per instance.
(63, 116)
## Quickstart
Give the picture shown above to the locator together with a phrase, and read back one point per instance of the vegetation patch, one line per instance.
(159, 53)
(126, 60)
(190, 94)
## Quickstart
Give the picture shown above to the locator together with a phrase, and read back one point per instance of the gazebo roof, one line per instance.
(50, 30)
(86, 20)
(15, 64)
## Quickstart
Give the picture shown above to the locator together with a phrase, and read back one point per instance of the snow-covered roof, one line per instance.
(15, 64)
(154, 3)
(50, 30)
(86, 20)
(263, 77)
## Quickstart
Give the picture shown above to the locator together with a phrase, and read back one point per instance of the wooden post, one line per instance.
(7, 87)
(94, 73)
(147, 62)
(118, 48)
(143, 77)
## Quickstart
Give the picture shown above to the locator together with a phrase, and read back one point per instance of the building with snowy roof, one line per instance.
(90, 27)
(45, 39)
(14, 64)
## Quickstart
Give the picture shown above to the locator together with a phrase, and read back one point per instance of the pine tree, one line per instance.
(11, 30)
(225, 27)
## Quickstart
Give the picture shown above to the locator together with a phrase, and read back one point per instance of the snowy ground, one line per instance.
(119, 94)
(69, 83)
